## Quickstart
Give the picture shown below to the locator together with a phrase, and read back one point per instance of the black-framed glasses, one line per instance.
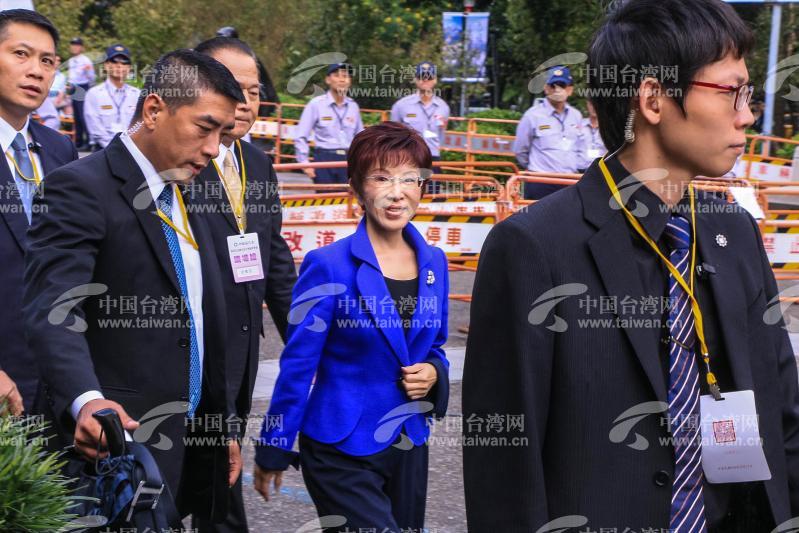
(743, 93)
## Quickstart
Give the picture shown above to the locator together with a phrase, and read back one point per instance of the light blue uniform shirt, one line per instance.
(333, 126)
(591, 145)
(430, 120)
(547, 141)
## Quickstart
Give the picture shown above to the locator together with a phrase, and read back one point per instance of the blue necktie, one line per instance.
(687, 502)
(195, 370)
(25, 184)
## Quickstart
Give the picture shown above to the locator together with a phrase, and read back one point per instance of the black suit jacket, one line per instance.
(245, 300)
(570, 386)
(98, 230)
(53, 150)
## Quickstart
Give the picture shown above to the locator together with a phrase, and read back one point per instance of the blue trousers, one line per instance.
(386, 490)
(329, 175)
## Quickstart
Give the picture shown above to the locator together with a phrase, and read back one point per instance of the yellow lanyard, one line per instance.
(186, 233)
(238, 215)
(700, 330)
(36, 179)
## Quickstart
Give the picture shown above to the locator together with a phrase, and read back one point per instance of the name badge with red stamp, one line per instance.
(732, 451)
(245, 257)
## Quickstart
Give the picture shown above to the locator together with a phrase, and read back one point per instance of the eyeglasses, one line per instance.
(406, 182)
(743, 93)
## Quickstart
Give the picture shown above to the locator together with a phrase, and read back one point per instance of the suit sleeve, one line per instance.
(60, 263)
(281, 273)
(298, 364)
(788, 383)
(507, 372)
(439, 394)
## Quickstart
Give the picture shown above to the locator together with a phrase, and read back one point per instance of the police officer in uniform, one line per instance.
(81, 76)
(334, 118)
(591, 145)
(424, 111)
(548, 133)
(109, 106)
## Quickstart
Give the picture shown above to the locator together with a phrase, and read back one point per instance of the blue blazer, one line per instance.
(345, 330)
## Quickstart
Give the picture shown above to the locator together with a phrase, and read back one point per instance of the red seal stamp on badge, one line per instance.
(724, 431)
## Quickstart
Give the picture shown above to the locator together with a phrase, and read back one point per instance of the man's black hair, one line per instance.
(644, 36)
(214, 44)
(26, 16)
(178, 76)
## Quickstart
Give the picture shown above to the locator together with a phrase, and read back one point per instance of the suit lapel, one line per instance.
(426, 292)
(138, 195)
(47, 158)
(725, 286)
(370, 282)
(11, 206)
(612, 249)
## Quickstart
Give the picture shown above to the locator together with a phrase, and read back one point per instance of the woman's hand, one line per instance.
(263, 478)
(418, 379)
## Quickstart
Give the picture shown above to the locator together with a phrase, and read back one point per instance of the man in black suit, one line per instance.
(123, 303)
(585, 351)
(28, 43)
(239, 192)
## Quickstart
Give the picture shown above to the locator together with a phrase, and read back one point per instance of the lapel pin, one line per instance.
(430, 277)
(721, 240)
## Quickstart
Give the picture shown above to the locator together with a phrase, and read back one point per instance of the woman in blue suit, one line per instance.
(368, 321)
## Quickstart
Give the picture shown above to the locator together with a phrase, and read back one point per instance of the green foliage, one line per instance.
(33, 494)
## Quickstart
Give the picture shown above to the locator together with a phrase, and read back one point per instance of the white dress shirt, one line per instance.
(79, 74)
(191, 259)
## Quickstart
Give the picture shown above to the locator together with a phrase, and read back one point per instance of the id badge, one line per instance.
(732, 451)
(593, 153)
(117, 127)
(342, 137)
(566, 143)
(430, 134)
(245, 257)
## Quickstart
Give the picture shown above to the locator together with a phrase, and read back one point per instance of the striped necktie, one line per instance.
(195, 371)
(687, 502)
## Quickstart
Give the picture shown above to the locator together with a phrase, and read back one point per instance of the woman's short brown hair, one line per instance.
(388, 144)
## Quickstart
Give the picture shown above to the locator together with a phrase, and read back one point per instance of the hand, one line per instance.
(87, 430)
(234, 461)
(10, 395)
(310, 172)
(263, 478)
(418, 379)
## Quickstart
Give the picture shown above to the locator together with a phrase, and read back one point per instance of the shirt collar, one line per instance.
(332, 101)
(154, 181)
(111, 88)
(223, 150)
(418, 98)
(551, 109)
(8, 133)
(648, 208)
